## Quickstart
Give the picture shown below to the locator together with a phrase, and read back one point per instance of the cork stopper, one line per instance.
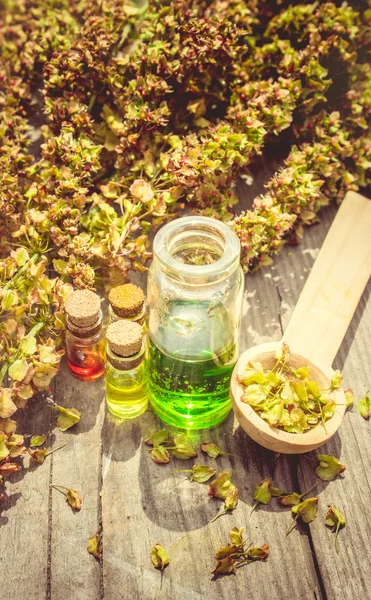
(124, 338)
(83, 308)
(126, 300)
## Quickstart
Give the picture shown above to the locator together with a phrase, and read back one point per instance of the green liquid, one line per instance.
(190, 394)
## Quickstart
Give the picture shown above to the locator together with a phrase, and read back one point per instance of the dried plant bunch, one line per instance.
(114, 115)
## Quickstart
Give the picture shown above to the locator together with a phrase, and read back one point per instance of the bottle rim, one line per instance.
(217, 229)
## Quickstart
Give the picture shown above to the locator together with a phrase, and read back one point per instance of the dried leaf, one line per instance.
(292, 499)
(306, 510)
(349, 397)
(262, 493)
(336, 379)
(38, 455)
(183, 448)
(329, 467)
(9, 467)
(225, 566)
(364, 406)
(212, 450)
(18, 370)
(38, 440)
(336, 520)
(159, 557)
(73, 499)
(95, 545)
(258, 553)
(157, 438)
(221, 485)
(68, 417)
(4, 450)
(276, 492)
(236, 535)
(7, 406)
(230, 503)
(160, 455)
(199, 473)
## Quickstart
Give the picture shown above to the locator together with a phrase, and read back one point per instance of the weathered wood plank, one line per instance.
(74, 573)
(24, 516)
(345, 575)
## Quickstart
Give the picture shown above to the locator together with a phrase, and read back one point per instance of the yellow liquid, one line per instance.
(126, 392)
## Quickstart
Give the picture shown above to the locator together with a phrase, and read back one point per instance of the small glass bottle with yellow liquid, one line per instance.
(126, 384)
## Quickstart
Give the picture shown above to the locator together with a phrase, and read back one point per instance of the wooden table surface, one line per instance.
(43, 543)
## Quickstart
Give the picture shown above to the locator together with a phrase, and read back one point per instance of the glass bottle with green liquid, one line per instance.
(195, 290)
(126, 377)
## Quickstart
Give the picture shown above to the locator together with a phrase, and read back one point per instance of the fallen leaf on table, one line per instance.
(72, 496)
(230, 502)
(221, 485)
(159, 557)
(38, 440)
(235, 555)
(262, 493)
(349, 398)
(213, 451)
(329, 467)
(40, 455)
(199, 473)
(294, 498)
(259, 553)
(160, 455)
(335, 519)
(364, 406)
(306, 510)
(157, 438)
(183, 447)
(225, 566)
(9, 467)
(95, 545)
(276, 492)
(68, 417)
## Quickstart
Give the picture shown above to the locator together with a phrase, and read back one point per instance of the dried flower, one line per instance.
(329, 467)
(335, 519)
(159, 557)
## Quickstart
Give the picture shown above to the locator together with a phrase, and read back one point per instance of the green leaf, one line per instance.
(28, 345)
(160, 455)
(225, 566)
(329, 467)
(259, 553)
(349, 397)
(18, 370)
(212, 450)
(236, 535)
(68, 417)
(336, 379)
(4, 451)
(336, 520)
(307, 509)
(221, 485)
(364, 406)
(94, 545)
(262, 493)
(38, 440)
(183, 448)
(157, 438)
(200, 473)
(159, 557)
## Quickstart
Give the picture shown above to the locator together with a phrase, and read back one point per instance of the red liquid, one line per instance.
(86, 364)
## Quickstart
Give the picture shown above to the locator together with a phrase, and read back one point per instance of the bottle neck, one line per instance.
(125, 363)
(85, 332)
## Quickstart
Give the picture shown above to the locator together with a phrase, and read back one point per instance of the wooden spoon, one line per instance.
(318, 325)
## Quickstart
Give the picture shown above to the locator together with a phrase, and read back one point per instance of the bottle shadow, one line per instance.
(172, 502)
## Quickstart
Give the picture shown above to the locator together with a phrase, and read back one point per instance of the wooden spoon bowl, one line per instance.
(317, 326)
(273, 438)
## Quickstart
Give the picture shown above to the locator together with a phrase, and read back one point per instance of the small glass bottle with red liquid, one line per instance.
(85, 345)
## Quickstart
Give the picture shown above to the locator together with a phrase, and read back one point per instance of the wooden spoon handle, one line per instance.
(334, 287)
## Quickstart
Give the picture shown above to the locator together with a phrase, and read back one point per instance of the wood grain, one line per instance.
(77, 466)
(24, 516)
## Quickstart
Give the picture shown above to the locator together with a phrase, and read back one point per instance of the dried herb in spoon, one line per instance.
(287, 398)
